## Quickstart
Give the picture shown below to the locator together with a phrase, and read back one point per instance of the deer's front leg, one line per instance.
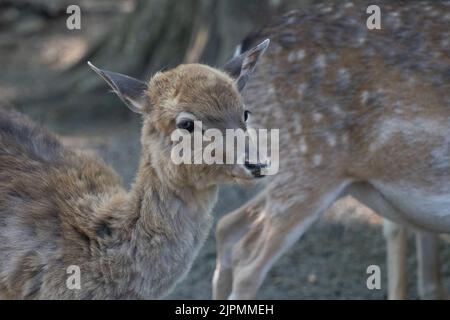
(279, 225)
(230, 229)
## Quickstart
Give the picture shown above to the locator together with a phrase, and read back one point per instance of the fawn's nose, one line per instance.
(255, 168)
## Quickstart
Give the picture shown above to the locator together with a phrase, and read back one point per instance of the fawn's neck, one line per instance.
(170, 227)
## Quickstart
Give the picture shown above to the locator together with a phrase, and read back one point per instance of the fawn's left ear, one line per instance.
(131, 91)
(240, 67)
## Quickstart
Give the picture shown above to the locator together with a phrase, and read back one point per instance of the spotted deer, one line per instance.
(360, 112)
(60, 208)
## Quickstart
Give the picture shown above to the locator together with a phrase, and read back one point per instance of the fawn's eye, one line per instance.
(186, 124)
(246, 114)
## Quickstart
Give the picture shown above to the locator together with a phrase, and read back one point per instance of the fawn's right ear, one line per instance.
(241, 66)
(130, 90)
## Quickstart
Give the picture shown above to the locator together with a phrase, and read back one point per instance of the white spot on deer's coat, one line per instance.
(296, 55)
(317, 116)
(337, 110)
(301, 89)
(331, 140)
(343, 78)
(364, 97)
(361, 39)
(344, 138)
(297, 123)
(320, 62)
(317, 160)
(394, 20)
(398, 107)
(303, 145)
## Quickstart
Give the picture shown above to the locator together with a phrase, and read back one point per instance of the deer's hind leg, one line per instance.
(429, 278)
(280, 224)
(396, 238)
(230, 229)
(395, 235)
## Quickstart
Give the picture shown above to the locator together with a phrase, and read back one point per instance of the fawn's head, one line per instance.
(191, 99)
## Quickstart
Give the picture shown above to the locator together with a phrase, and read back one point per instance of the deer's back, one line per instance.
(47, 195)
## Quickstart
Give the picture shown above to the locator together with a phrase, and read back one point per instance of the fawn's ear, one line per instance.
(241, 66)
(131, 91)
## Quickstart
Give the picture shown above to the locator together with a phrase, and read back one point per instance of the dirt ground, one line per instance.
(330, 260)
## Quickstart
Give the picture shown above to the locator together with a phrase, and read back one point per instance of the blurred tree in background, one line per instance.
(155, 35)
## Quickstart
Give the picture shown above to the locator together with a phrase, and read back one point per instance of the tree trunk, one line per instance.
(158, 34)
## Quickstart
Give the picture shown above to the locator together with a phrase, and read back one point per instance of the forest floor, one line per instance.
(330, 260)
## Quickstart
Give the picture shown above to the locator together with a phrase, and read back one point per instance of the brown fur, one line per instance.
(356, 108)
(59, 207)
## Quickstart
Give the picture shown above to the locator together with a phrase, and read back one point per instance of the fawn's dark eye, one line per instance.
(186, 124)
(246, 114)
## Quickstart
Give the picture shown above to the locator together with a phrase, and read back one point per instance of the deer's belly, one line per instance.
(422, 207)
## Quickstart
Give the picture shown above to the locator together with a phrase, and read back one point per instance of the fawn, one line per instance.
(61, 208)
(360, 112)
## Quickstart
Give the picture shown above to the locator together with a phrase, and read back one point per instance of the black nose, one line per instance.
(255, 168)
